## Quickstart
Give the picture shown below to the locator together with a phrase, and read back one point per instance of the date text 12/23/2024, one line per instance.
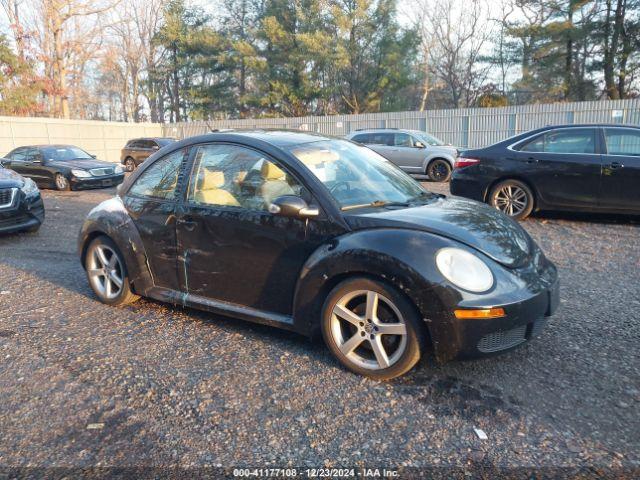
(315, 472)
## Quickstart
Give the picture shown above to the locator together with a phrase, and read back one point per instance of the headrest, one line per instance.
(271, 171)
(212, 180)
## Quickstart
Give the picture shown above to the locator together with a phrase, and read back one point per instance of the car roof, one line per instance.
(280, 138)
(385, 130)
(53, 145)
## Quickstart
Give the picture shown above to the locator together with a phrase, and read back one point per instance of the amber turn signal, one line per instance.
(480, 313)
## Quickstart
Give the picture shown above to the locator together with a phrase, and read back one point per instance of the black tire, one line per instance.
(62, 183)
(130, 164)
(520, 192)
(412, 346)
(125, 295)
(439, 170)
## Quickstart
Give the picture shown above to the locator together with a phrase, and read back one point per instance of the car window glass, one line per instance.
(570, 141)
(18, 155)
(622, 142)
(235, 176)
(381, 139)
(402, 140)
(362, 138)
(160, 179)
(32, 154)
(535, 145)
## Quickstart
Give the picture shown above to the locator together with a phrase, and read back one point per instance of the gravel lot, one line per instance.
(83, 384)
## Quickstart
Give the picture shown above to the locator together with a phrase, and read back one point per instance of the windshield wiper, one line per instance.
(376, 203)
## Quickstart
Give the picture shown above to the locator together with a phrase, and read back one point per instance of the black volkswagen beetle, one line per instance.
(21, 207)
(315, 234)
(64, 167)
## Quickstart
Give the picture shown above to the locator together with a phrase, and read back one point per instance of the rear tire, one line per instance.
(372, 329)
(129, 164)
(513, 198)
(439, 170)
(107, 272)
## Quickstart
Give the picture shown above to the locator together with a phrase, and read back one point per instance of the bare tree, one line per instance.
(459, 36)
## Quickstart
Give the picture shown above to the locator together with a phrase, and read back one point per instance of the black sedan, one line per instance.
(21, 207)
(319, 235)
(570, 167)
(64, 167)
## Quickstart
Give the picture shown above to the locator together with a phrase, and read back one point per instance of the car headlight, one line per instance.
(118, 170)
(80, 173)
(29, 187)
(464, 269)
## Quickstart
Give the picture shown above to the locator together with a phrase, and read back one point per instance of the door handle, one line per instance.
(615, 165)
(188, 223)
(532, 160)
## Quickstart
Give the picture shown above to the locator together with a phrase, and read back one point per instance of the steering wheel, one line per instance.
(338, 185)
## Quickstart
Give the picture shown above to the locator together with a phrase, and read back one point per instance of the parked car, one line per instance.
(314, 234)
(592, 168)
(412, 150)
(21, 207)
(64, 167)
(138, 150)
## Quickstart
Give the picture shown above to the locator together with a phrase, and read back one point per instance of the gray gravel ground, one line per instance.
(168, 386)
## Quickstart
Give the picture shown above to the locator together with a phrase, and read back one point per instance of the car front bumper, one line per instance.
(522, 321)
(96, 182)
(25, 213)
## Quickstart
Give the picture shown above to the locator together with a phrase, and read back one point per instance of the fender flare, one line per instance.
(401, 257)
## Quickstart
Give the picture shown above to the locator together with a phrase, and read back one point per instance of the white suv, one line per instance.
(412, 150)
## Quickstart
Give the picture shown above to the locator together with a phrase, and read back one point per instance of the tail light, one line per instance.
(462, 162)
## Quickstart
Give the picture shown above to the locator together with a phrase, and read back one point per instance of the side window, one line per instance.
(235, 176)
(32, 154)
(574, 140)
(535, 145)
(622, 141)
(402, 140)
(160, 179)
(18, 155)
(133, 144)
(381, 139)
(362, 138)
(147, 144)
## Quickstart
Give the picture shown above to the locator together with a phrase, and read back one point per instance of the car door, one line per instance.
(409, 156)
(34, 166)
(563, 165)
(16, 160)
(233, 249)
(151, 203)
(621, 169)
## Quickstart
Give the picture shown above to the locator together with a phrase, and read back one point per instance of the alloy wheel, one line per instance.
(61, 182)
(511, 200)
(368, 329)
(130, 165)
(105, 271)
(439, 171)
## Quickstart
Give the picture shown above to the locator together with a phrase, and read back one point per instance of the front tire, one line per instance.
(62, 183)
(372, 329)
(107, 272)
(513, 198)
(439, 170)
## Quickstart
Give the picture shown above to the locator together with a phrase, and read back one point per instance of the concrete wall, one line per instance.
(104, 139)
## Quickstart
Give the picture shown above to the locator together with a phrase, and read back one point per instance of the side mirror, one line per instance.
(38, 159)
(419, 145)
(155, 147)
(292, 206)
(93, 156)
(3, 162)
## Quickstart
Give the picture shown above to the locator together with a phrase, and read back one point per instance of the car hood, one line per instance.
(81, 164)
(471, 223)
(10, 179)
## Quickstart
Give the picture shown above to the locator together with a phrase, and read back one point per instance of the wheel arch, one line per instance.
(536, 194)
(388, 259)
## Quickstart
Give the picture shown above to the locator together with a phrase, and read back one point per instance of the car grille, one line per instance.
(501, 340)
(100, 172)
(14, 220)
(6, 197)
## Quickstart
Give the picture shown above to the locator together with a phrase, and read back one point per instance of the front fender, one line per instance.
(111, 218)
(403, 258)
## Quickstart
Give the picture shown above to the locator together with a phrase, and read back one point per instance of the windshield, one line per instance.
(430, 139)
(357, 176)
(65, 153)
